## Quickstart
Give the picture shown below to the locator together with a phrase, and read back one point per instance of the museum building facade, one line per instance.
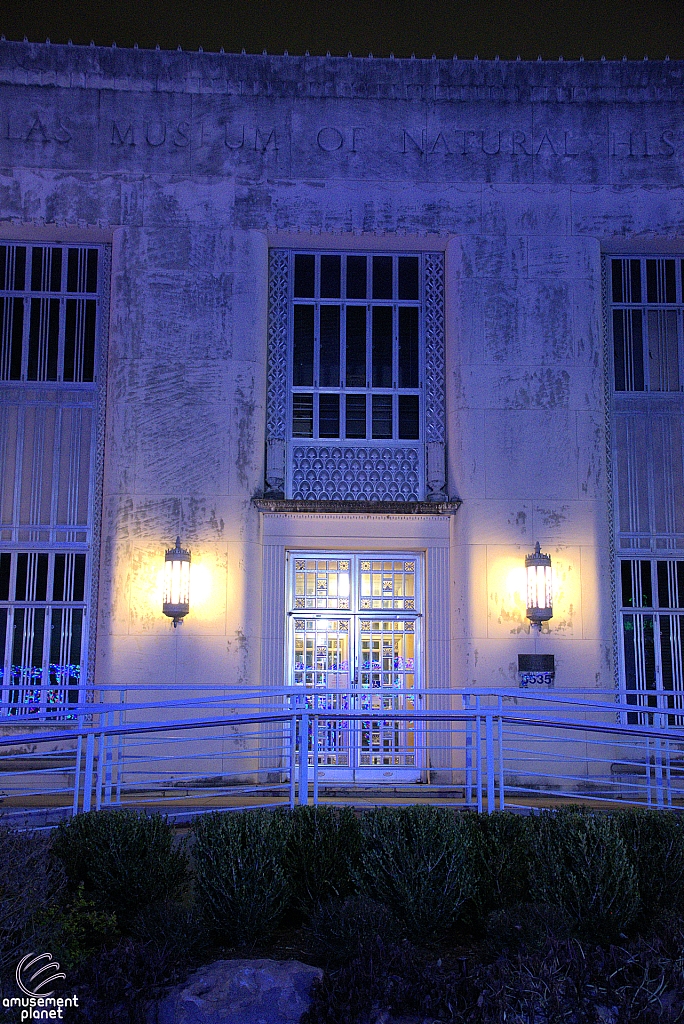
(361, 333)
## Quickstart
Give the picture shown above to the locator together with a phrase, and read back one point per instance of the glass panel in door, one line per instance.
(321, 667)
(386, 681)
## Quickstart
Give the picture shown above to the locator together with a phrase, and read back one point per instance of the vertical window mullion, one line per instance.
(395, 344)
(369, 350)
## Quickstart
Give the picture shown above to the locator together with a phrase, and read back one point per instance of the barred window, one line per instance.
(51, 311)
(652, 614)
(356, 347)
(647, 300)
(356, 407)
(647, 306)
(48, 312)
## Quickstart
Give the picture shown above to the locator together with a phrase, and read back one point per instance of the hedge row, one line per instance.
(429, 868)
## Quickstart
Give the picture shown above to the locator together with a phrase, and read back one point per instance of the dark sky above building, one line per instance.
(550, 28)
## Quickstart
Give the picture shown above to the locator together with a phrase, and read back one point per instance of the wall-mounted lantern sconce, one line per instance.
(539, 587)
(176, 583)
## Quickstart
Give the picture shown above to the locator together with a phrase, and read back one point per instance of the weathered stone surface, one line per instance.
(240, 992)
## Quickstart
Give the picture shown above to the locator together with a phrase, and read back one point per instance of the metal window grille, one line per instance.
(646, 333)
(51, 322)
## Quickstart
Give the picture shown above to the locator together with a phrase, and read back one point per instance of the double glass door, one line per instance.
(355, 646)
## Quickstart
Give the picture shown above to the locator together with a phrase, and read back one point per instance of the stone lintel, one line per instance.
(364, 508)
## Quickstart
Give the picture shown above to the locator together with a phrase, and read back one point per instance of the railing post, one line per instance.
(120, 749)
(648, 772)
(315, 760)
(108, 762)
(293, 758)
(88, 774)
(501, 756)
(659, 772)
(304, 759)
(478, 755)
(77, 767)
(468, 753)
(100, 765)
(668, 773)
(489, 734)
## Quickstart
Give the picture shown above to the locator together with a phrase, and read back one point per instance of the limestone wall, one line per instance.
(192, 165)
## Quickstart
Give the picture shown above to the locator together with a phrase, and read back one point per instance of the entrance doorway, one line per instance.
(355, 644)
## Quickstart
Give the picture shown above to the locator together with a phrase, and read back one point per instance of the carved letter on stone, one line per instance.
(329, 140)
(261, 144)
(181, 137)
(39, 128)
(156, 137)
(237, 141)
(62, 134)
(122, 136)
(415, 145)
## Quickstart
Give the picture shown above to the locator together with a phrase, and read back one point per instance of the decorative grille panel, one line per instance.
(337, 473)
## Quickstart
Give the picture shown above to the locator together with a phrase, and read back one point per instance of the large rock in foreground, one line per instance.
(240, 992)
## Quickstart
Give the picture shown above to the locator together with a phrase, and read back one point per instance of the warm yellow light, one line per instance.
(176, 583)
(200, 585)
(539, 587)
(343, 584)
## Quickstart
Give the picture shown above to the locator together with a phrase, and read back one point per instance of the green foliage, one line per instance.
(124, 859)
(655, 845)
(174, 935)
(240, 881)
(415, 860)
(77, 929)
(321, 854)
(500, 854)
(31, 883)
(338, 932)
(580, 865)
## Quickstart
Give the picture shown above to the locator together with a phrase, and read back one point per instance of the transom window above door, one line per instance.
(364, 583)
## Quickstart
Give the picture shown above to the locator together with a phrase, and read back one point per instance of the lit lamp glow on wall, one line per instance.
(539, 587)
(176, 583)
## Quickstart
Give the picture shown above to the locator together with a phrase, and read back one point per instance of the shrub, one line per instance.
(563, 981)
(322, 851)
(525, 926)
(118, 983)
(500, 852)
(338, 932)
(77, 929)
(240, 882)
(655, 845)
(415, 861)
(580, 865)
(124, 859)
(174, 936)
(31, 884)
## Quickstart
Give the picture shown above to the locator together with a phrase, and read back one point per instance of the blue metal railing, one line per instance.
(198, 748)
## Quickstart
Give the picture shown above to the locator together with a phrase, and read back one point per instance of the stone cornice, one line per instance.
(122, 69)
(362, 508)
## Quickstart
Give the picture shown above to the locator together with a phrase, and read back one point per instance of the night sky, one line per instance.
(550, 28)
